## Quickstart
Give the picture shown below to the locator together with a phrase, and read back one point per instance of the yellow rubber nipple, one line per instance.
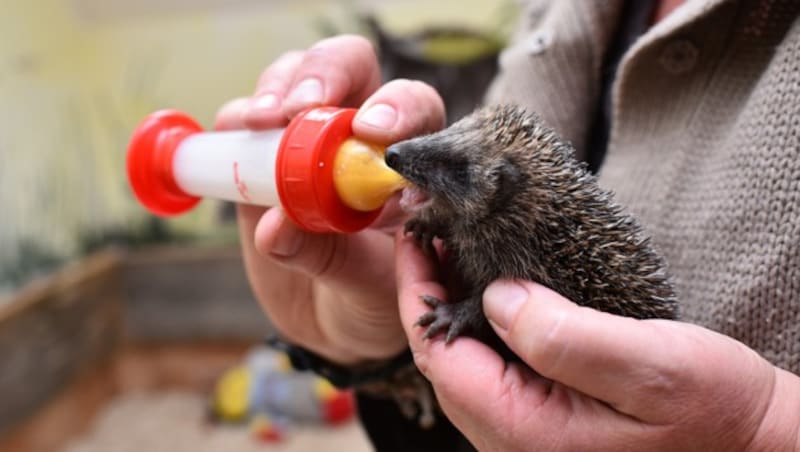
(361, 177)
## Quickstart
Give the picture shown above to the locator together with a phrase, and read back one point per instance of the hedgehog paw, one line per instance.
(451, 317)
(422, 234)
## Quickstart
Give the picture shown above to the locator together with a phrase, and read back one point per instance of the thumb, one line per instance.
(577, 345)
(338, 259)
(622, 361)
(502, 302)
(539, 325)
(400, 109)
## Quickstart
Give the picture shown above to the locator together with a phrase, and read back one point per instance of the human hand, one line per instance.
(333, 294)
(604, 382)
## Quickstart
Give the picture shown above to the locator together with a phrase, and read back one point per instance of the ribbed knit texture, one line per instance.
(705, 151)
(554, 63)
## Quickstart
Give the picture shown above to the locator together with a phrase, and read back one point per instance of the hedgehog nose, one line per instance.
(392, 157)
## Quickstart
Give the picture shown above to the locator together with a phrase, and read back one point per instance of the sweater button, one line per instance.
(679, 56)
(538, 42)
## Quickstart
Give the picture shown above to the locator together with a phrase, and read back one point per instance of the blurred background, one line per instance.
(101, 303)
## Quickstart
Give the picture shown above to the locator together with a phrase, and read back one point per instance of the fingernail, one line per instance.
(380, 116)
(288, 242)
(308, 91)
(502, 300)
(265, 102)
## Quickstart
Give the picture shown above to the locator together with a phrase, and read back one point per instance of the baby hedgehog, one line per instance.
(509, 200)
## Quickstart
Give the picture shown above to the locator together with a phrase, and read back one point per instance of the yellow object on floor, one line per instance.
(266, 391)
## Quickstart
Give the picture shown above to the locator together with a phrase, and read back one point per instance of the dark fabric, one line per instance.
(340, 376)
(390, 431)
(635, 19)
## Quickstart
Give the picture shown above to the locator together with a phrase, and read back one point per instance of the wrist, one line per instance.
(349, 346)
(355, 351)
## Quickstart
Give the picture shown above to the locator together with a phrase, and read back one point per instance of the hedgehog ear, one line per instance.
(508, 179)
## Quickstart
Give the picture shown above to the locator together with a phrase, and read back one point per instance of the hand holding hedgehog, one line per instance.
(602, 382)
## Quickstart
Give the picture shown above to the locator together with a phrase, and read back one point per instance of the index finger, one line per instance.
(342, 70)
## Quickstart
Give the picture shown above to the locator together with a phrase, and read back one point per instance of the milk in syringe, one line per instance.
(248, 156)
(325, 180)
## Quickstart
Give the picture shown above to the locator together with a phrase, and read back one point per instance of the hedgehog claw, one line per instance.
(437, 327)
(426, 319)
(431, 301)
(450, 317)
(422, 235)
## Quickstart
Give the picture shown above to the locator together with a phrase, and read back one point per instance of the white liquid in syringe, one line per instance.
(236, 166)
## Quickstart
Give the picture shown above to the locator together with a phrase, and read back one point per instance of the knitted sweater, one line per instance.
(704, 147)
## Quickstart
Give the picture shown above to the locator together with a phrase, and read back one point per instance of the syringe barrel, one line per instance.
(236, 166)
(172, 164)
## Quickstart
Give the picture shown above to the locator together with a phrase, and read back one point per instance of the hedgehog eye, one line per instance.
(507, 178)
(461, 177)
(456, 172)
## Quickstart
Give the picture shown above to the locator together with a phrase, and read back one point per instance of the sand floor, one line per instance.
(174, 422)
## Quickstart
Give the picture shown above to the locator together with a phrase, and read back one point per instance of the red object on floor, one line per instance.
(339, 408)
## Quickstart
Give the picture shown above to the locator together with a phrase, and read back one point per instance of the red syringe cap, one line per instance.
(304, 172)
(149, 162)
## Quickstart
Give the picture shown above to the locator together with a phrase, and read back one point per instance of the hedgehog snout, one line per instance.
(410, 157)
(392, 157)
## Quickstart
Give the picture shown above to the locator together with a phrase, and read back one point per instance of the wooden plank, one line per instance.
(190, 294)
(165, 366)
(66, 415)
(135, 368)
(76, 321)
(53, 330)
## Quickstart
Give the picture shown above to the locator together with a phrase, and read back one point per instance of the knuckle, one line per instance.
(232, 108)
(663, 381)
(321, 61)
(280, 70)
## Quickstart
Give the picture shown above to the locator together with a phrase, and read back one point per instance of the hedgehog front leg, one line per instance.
(457, 318)
(423, 233)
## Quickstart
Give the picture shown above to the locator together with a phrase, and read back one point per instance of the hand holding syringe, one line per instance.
(325, 180)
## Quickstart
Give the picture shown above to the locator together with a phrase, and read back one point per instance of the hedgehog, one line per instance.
(507, 198)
